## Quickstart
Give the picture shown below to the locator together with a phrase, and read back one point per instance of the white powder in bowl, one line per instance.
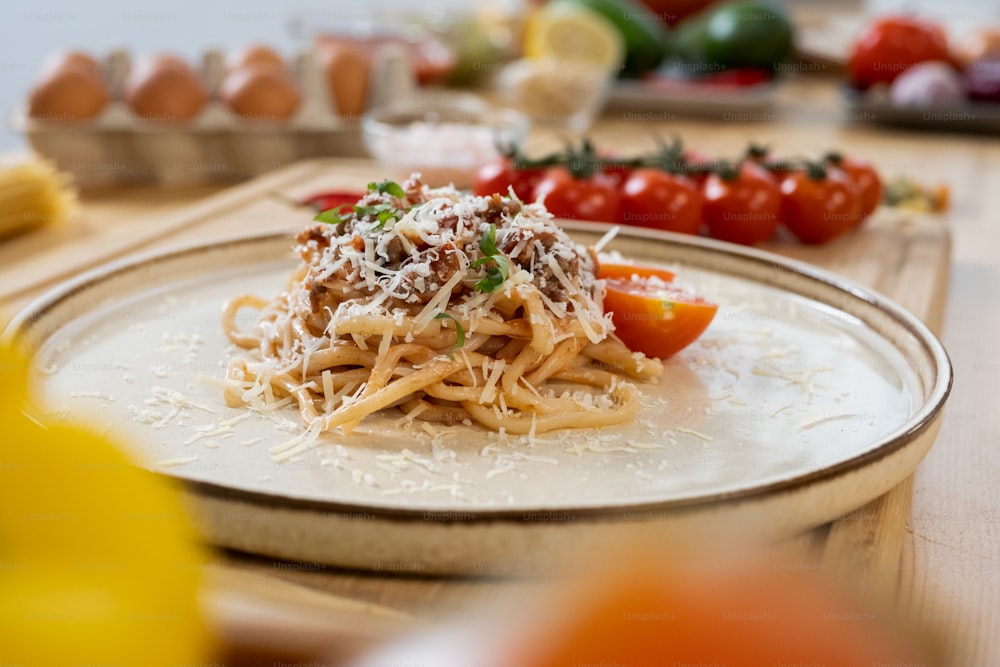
(445, 152)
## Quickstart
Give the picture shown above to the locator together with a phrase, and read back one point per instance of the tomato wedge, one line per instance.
(626, 271)
(651, 315)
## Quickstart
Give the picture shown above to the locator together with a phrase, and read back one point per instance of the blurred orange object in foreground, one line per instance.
(653, 614)
(98, 562)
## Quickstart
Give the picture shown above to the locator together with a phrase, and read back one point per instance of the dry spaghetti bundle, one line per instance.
(33, 193)
(455, 309)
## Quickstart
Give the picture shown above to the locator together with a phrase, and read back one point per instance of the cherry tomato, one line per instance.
(656, 199)
(893, 44)
(628, 271)
(499, 175)
(618, 173)
(744, 209)
(324, 201)
(695, 161)
(865, 177)
(651, 315)
(565, 196)
(819, 205)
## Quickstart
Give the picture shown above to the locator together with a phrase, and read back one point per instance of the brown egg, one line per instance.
(347, 67)
(69, 88)
(78, 60)
(261, 93)
(255, 55)
(164, 88)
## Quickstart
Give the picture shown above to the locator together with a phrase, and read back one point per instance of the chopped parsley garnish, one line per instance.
(495, 274)
(331, 216)
(459, 331)
(499, 265)
(488, 244)
(387, 187)
(381, 212)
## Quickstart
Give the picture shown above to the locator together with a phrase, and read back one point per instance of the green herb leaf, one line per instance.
(331, 216)
(459, 331)
(499, 270)
(387, 187)
(382, 213)
(488, 244)
(495, 275)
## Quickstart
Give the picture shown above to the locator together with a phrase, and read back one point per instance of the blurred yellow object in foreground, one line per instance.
(98, 562)
(33, 193)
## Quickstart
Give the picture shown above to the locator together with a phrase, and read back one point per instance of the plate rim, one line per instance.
(923, 419)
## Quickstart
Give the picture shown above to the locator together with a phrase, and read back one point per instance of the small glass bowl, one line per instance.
(445, 137)
(561, 94)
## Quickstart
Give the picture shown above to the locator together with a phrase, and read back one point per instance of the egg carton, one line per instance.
(217, 145)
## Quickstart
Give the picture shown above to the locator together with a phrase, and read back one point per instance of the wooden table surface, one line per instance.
(949, 567)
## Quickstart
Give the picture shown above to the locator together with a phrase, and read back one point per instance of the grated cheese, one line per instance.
(92, 394)
(490, 388)
(781, 409)
(822, 420)
(406, 456)
(179, 461)
(694, 433)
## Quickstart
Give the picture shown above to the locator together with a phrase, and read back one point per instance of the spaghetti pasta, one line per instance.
(449, 307)
(33, 193)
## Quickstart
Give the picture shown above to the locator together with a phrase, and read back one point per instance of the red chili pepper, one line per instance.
(324, 201)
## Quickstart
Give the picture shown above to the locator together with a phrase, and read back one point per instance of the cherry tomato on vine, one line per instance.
(695, 162)
(818, 204)
(891, 45)
(589, 198)
(760, 154)
(499, 175)
(618, 173)
(659, 200)
(742, 207)
(650, 314)
(773, 163)
(865, 177)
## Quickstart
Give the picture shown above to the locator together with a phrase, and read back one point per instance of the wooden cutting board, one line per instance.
(904, 256)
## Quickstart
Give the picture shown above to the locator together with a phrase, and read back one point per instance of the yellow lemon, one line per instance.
(98, 561)
(567, 32)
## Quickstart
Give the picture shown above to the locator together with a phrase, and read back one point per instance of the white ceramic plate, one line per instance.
(806, 398)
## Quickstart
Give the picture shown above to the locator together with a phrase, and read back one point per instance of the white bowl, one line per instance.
(445, 137)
